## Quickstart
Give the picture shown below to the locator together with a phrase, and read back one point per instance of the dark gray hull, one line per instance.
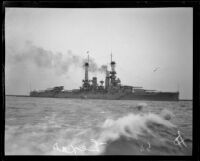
(158, 96)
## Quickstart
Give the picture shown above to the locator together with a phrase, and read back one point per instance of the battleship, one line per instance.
(110, 89)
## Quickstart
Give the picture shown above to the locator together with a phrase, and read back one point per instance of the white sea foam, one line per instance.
(35, 131)
(131, 126)
(39, 139)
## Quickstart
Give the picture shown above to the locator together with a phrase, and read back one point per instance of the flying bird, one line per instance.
(155, 69)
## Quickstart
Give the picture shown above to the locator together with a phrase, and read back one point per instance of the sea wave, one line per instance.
(137, 133)
(141, 134)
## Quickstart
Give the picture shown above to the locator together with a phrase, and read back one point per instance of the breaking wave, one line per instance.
(132, 134)
(137, 133)
(141, 134)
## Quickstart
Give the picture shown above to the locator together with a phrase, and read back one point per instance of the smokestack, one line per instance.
(94, 82)
(107, 79)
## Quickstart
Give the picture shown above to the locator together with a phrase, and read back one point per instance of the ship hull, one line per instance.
(160, 96)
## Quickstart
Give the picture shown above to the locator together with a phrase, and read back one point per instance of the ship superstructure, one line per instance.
(111, 88)
(111, 83)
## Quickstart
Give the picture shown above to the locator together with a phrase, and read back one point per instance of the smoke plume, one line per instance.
(93, 66)
(103, 68)
(43, 58)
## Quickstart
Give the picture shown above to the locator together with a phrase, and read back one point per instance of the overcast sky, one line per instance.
(46, 47)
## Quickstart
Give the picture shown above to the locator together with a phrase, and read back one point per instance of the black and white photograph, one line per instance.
(99, 81)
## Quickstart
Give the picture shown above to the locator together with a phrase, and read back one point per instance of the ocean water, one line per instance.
(56, 126)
